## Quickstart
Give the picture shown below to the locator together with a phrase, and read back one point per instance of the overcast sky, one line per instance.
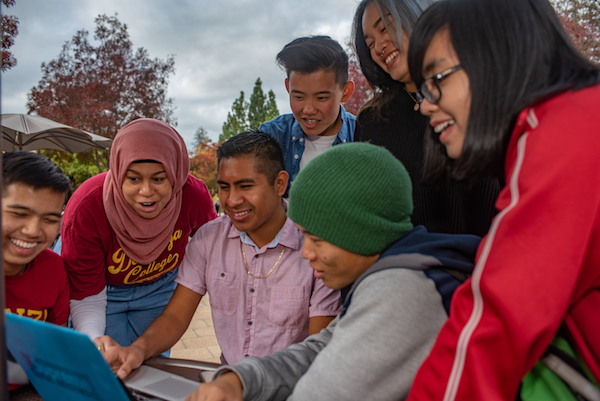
(220, 47)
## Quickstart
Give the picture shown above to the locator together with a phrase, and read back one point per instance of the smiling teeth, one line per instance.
(441, 127)
(23, 244)
(241, 214)
(311, 121)
(148, 204)
(391, 57)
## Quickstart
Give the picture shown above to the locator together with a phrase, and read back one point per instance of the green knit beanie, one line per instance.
(357, 196)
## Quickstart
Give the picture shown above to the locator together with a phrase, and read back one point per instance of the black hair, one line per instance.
(34, 170)
(403, 15)
(313, 53)
(263, 147)
(515, 53)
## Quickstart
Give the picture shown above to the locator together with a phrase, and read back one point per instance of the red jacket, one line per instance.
(538, 266)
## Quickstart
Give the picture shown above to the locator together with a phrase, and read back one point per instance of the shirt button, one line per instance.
(222, 274)
(301, 139)
(296, 157)
(256, 256)
(251, 289)
(293, 138)
(246, 356)
(344, 141)
(249, 323)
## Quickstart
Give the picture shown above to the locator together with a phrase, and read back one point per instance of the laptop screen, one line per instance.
(61, 363)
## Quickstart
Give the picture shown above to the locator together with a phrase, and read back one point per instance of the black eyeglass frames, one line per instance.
(430, 88)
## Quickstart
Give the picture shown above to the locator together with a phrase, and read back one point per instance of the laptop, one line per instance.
(63, 364)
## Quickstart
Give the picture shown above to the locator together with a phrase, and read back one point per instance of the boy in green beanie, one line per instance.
(353, 204)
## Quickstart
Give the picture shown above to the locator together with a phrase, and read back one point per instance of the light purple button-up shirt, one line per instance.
(255, 317)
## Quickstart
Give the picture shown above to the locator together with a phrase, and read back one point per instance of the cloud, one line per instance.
(220, 48)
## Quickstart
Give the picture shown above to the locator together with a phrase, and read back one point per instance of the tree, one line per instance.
(10, 30)
(100, 88)
(237, 120)
(362, 89)
(261, 108)
(71, 165)
(203, 165)
(256, 109)
(271, 110)
(581, 19)
(201, 136)
(250, 115)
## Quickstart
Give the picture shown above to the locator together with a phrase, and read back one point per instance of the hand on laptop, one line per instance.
(103, 343)
(226, 387)
(122, 360)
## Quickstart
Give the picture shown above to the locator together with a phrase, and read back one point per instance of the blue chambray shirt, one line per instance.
(289, 133)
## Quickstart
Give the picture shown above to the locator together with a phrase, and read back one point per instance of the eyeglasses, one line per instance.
(430, 88)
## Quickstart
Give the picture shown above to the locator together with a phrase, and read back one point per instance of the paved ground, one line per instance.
(199, 341)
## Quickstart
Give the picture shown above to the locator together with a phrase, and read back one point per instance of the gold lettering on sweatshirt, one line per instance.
(33, 313)
(137, 273)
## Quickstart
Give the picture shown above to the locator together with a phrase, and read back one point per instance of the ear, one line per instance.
(348, 91)
(287, 85)
(281, 182)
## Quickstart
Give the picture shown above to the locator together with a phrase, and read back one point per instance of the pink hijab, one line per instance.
(143, 240)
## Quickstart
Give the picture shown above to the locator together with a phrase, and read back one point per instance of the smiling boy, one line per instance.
(317, 82)
(34, 193)
(263, 294)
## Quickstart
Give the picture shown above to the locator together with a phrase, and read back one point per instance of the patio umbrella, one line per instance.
(30, 132)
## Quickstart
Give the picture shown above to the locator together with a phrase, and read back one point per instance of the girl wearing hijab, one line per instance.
(125, 231)
(381, 32)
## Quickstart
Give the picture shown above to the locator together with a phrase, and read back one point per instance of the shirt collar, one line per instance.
(245, 238)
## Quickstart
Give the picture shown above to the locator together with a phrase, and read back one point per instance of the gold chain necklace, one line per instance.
(270, 271)
(416, 108)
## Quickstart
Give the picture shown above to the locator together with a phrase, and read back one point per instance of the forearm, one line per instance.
(273, 377)
(88, 315)
(377, 347)
(168, 328)
(164, 331)
(318, 323)
(161, 335)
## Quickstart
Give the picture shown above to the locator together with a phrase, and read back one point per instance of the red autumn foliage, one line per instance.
(581, 19)
(362, 89)
(10, 30)
(203, 165)
(100, 88)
